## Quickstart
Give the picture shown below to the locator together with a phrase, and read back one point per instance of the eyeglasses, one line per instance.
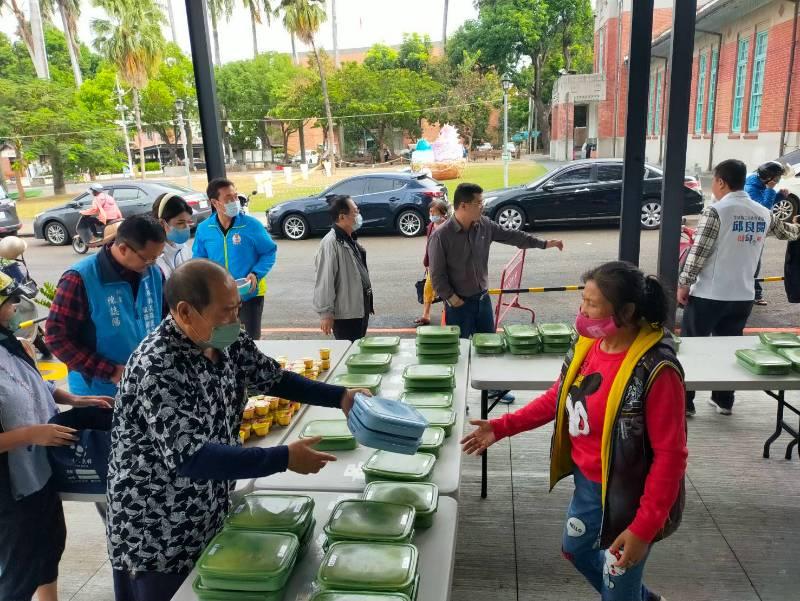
(147, 262)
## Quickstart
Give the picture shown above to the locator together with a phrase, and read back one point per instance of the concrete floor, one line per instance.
(739, 541)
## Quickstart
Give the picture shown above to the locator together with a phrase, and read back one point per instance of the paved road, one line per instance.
(396, 263)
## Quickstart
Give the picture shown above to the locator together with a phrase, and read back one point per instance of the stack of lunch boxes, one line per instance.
(360, 520)
(386, 424)
(557, 338)
(385, 465)
(523, 339)
(422, 496)
(763, 362)
(269, 512)
(377, 571)
(371, 382)
(433, 437)
(438, 344)
(335, 433)
(369, 363)
(489, 344)
(429, 378)
(379, 344)
(785, 344)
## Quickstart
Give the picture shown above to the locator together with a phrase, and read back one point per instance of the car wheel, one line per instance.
(651, 214)
(410, 224)
(56, 233)
(295, 227)
(510, 217)
(785, 208)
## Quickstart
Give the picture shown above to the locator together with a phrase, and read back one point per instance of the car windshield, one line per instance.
(174, 188)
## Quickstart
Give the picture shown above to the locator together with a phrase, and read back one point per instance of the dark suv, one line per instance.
(389, 202)
(9, 220)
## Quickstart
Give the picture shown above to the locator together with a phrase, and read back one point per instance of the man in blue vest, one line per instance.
(240, 244)
(106, 304)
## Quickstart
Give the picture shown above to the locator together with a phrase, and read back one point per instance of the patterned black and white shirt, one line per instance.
(173, 400)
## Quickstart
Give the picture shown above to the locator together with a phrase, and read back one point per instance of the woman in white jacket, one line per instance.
(175, 214)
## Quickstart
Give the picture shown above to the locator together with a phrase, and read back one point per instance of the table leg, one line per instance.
(778, 422)
(484, 456)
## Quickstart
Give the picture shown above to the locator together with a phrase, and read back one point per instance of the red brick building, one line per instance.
(741, 78)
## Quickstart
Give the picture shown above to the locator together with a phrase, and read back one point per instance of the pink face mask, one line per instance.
(595, 328)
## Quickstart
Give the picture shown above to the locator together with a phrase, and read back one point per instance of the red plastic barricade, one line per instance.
(511, 279)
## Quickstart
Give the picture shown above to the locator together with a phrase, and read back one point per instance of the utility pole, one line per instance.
(187, 160)
(506, 83)
(124, 121)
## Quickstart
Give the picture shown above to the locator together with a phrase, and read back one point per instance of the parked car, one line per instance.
(589, 191)
(57, 225)
(484, 146)
(788, 207)
(389, 202)
(9, 220)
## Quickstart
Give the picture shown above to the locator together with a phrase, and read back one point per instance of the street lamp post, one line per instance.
(506, 83)
(124, 122)
(186, 158)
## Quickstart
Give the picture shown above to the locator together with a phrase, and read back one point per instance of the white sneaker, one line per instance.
(720, 410)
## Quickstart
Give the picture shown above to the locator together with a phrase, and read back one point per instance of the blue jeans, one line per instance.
(581, 545)
(475, 316)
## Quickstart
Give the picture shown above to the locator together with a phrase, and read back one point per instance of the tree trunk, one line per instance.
(137, 111)
(444, 23)
(253, 23)
(215, 31)
(171, 17)
(294, 49)
(19, 171)
(37, 35)
(302, 135)
(57, 165)
(334, 28)
(541, 109)
(24, 31)
(328, 113)
(72, 46)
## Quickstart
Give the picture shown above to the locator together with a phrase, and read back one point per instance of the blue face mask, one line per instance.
(436, 218)
(359, 222)
(232, 208)
(179, 235)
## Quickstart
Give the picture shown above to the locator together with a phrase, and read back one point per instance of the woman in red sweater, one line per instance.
(620, 431)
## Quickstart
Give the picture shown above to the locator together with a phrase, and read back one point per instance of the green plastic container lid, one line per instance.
(779, 339)
(792, 354)
(371, 520)
(438, 334)
(245, 560)
(428, 399)
(356, 596)
(334, 432)
(437, 417)
(425, 374)
(422, 496)
(522, 333)
(556, 331)
(360, 566)
(395, 466)
(268, 512)
(438, 349)
(437, 359)
(432, 440)
(380, 344)
(369, 363)
(763, 362)
(208, 594)
(369, 381)
(488, 342)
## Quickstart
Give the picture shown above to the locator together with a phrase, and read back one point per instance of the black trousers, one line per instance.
(759, 288)
(250, 316)
(705, 317)
(350, 329)
(146, 586)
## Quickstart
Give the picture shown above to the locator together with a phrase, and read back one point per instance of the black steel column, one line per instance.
(680, 83)
(635, 130)
(197, 16)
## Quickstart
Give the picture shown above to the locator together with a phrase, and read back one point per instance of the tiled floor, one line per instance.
(739, 541)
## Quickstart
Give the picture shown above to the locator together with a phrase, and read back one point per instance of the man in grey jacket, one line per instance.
(343, 292)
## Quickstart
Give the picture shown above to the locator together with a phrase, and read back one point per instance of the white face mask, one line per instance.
(359, 222)
(436, 218)
(232, 208)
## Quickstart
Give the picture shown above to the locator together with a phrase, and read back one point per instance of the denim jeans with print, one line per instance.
(581, 546)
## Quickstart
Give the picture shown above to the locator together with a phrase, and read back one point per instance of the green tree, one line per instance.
(131, 39)
(381, 57)
(303, 18)
(415, 52)
(259, 10)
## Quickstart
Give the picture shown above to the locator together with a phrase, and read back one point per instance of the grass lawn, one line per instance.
(487, 175)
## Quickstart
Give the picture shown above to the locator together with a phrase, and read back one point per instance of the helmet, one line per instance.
(8, 288)
(12, 247)
(96, 188)
(771, 170)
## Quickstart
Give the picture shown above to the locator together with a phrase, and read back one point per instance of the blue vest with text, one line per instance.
(120, 321)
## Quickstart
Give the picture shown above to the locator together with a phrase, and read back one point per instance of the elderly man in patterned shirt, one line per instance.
(175, 449)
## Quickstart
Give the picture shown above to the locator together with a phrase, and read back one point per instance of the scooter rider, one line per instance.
(104, 210)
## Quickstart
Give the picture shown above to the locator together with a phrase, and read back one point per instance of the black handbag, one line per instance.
(420, 286)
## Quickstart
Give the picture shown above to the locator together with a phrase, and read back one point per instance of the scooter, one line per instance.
(244, 201)
(83, 240)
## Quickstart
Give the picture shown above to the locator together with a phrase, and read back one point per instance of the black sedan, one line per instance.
(57, 225)
(589, 191)
(9, 221)
(389, 202)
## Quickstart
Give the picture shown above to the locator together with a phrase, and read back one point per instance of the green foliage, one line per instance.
(47, 294)
(381, 57)
(415, 52)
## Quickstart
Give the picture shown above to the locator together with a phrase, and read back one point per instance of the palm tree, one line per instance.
(131, 40)
(334, 30)
(218, 9)
(70, 11)
(255, 7)
(171, 18)
(303, 18)
(444, 23)
(33, 41)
